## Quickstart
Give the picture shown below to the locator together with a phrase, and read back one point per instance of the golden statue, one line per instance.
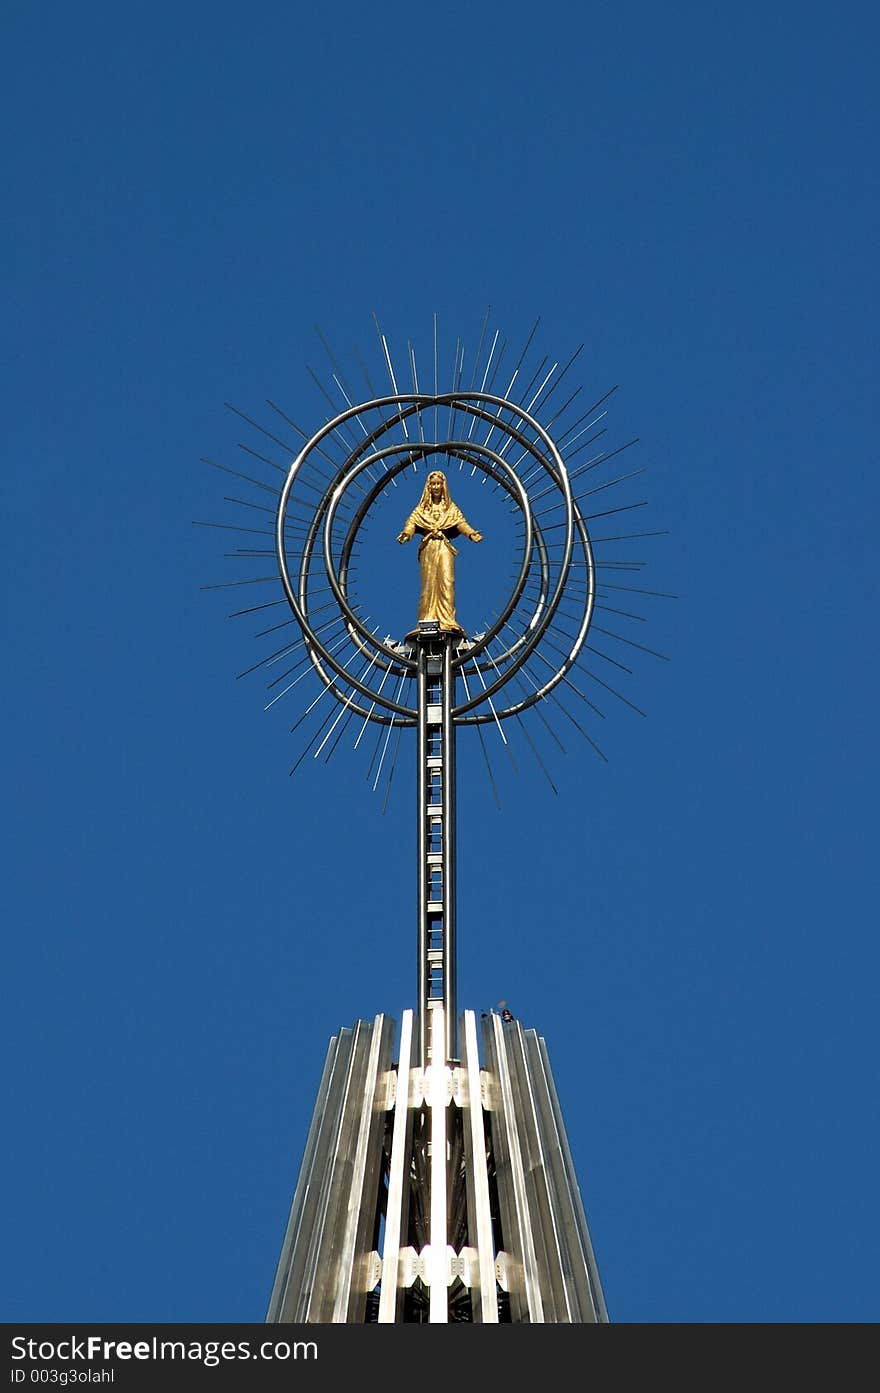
(438, 520)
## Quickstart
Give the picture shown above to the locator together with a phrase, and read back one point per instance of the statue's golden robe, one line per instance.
(438, 523)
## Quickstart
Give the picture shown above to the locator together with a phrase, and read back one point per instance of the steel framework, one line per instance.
(437, 1183)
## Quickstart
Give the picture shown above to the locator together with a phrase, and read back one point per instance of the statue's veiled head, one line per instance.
(436, 489)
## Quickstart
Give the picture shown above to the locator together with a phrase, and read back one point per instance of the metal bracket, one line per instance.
(438, 1085)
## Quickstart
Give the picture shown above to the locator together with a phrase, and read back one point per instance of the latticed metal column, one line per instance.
(436, 838)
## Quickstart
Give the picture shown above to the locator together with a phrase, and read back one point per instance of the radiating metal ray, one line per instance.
(602, 458)
(264, 459)
(537, 707)
(590, 440)
(349, 402)
(273, 628)
(373, 394)
(609, 484)
(347, 440)
(271, 658)
(632, 643)
(570, 449)
(542, 386)
(627, 614)
(309, 709)
(246, 503)
(590, 517)
(415, 382)
(388, 734)
(593, 463)
(228, 584)
(629, 536)
(490, 385)
(373, 756)
(456, 382)
(385, 676)
(324, 690)
(564, 443)
(575, 617)
(308, 743)
(252, 609)
(563, 440)
(559, 378)
(633, 590)
(551, 421)
(535, 685)
(238, 475)
(509, 388)
(474, 419)
(532, 746)
(552, 696)
(591, 648)
(510, 439)
(347, 703)
(232, 527)
(394, 388)
(532, 474)
(483, 746)
(299, 430)
(301, 664)
(480, 347)
(532, 380)
(489, 699)
(522, 724)
(248, 553)
(342, 730)
(577, 725)
(338, 375)
(285, 444)
(527, 478)
(568, 682)
(620, 697)
(391, 770)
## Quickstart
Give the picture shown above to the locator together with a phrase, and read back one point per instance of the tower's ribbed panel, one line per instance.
(436, 1194)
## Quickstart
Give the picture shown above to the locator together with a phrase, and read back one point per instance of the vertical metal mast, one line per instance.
(437, 983)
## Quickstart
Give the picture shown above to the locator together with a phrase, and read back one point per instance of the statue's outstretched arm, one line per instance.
(409, 528)
(467, 531)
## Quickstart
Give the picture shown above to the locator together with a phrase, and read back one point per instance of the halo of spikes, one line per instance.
(554, 641)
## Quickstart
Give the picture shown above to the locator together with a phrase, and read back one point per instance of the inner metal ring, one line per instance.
(404, 406)
(448, 448)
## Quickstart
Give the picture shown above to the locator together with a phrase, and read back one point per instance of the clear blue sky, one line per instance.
(691, 191)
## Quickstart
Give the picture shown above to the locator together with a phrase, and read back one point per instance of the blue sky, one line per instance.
(692, 194)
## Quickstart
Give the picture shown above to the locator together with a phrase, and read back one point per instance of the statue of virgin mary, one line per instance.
(438, 520)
